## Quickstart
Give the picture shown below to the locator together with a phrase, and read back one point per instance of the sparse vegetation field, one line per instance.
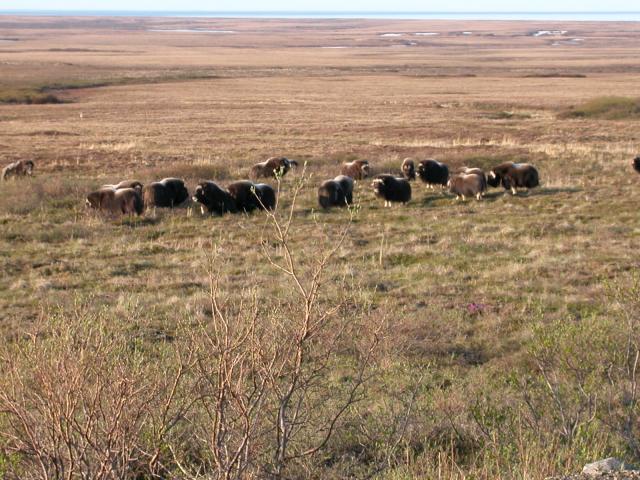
(442, 339)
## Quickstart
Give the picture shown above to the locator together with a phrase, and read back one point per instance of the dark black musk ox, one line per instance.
(433, 173)
(214, 199)
(358, 169)
(125, 184)
(636, 164)
(408, 169)
(513, 176)
(273, 167)
(21, 168)
(467, 185)
(126, 201)
(265, 196)
(249, 196)
(392, 189)
(337, 192)
(167, 193)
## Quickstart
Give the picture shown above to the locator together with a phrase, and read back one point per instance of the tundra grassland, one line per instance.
(491, 339)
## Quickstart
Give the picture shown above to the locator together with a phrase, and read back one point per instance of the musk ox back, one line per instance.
(514, 175)
(636, 164)
(125, 184)
(433, 173)
(215, 199)
(337, 192)
(249, 196)
(126, 201)
(167, 193)
(467, 185)
(392, 189)
(409, 169)
(265, 196)
(21, 168)
(358, 169)
(273, 167)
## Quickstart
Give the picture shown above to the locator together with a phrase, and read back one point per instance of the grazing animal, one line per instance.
(636, 164)
(21, 168)
(126, 201)
(480, 173)
(409, 169)
(514, 175)
(336, 193)
(125, 184)
(168, 193)
(467, 185)
(433, 173)
(250, 196)
(213, 198)
(273, 167)
(265, 196)
(392, 189)
(358, 169)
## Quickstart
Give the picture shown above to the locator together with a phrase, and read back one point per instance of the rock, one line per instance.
(607, 465)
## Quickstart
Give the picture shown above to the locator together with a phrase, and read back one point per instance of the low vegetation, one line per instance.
(493, 339)
(607, 108)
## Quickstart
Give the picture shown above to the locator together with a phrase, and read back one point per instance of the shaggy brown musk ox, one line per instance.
(273, 167)
(467, 185)
(408, 169)
(337, 192)
(513, 176)
(358, 169)
(392, 189)
(126, 201)
(21, 168)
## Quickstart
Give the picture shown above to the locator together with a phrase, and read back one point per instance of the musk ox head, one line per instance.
(409, 169)
(28, 167)
(379, 187)
(494, 179)
(365, 168)
(636, 164)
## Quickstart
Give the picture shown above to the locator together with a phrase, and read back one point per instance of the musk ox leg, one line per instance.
(514, 191)
(463, 198)
(202, 209)
(479, 196)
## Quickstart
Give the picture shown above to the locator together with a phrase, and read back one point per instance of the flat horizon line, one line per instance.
(390, 12)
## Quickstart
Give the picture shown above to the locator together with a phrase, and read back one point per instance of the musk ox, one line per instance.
(273, 167)
(467, 185)
(126, 201)
(336, 193)
(265, 196)
(213, 198)
(409, 169)
(358, 169)
(125, 184)
(636, 164)
(514, 175)
(392, 189)
(433, 173)
(168, 193)
(249, 196)
(21, 168)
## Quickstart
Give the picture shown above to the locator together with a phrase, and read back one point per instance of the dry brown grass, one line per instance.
(210, 105)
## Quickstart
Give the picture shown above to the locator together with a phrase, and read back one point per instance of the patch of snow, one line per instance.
(391, 34)
(426, 34)
(542, 33)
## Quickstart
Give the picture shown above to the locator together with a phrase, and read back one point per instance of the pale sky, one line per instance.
(330, 5)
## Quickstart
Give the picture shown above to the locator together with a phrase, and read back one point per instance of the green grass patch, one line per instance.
(606, 108)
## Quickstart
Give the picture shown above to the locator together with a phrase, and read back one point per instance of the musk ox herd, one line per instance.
(131, 197)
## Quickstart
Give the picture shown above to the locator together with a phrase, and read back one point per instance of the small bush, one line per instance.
(607, 108)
